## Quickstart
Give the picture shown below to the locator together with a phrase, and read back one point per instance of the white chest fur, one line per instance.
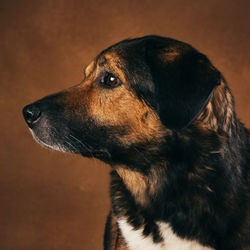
(137, 241)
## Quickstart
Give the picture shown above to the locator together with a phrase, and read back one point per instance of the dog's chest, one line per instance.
(137, 241)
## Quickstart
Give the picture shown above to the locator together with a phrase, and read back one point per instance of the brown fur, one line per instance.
(116, 108)
(171, 135)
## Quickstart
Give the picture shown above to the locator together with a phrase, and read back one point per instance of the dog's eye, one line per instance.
(109, 80)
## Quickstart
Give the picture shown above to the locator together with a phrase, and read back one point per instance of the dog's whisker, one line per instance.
(81, 143)
(71, 145)
(86, 147)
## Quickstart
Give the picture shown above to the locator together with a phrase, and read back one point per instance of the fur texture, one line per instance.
(163, 117)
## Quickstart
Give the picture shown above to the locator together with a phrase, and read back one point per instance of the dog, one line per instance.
(162, 116)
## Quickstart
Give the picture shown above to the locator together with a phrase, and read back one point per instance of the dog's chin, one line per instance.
(50, 144)
(46, 141)
(101, 154)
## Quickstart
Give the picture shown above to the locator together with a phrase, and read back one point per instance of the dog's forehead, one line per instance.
(123, 46)
(135, 52)
(128, 50)
(138, 45)
(123, 60)
(120, 53)
(137, 61)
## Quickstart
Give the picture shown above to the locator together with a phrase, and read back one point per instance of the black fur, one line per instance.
(201, 166)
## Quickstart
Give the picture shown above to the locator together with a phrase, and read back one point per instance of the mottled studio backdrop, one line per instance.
(50, 200)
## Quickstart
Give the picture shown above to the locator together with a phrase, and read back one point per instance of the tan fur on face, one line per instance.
(114, 64)
(114, 107)
(120, 107)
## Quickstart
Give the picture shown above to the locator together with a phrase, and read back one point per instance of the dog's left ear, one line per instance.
(184, 80)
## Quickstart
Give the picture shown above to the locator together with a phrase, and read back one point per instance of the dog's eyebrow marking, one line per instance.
(113, 63)
(103, 61)
(169, 55)
(111, 58)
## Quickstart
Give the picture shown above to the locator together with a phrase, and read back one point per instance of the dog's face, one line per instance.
(133, 94)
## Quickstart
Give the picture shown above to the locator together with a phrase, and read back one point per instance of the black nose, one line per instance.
(31, 114)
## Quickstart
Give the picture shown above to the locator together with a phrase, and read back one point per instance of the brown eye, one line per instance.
(109, 80)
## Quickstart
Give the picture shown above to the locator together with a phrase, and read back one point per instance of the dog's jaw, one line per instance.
(53, 147)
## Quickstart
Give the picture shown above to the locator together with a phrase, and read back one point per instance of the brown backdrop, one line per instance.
(50, 200)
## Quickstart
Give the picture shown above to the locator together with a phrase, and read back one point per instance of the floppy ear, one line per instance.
(184, 80)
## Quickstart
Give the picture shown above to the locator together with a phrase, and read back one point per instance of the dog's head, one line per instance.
(133, 94)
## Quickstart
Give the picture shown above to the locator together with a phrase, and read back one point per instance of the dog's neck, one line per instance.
(143, 187)
(214, 130)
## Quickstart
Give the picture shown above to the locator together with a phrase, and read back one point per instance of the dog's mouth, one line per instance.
(48, 143)
(50, 139)
(48, 136)
(55, 135)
